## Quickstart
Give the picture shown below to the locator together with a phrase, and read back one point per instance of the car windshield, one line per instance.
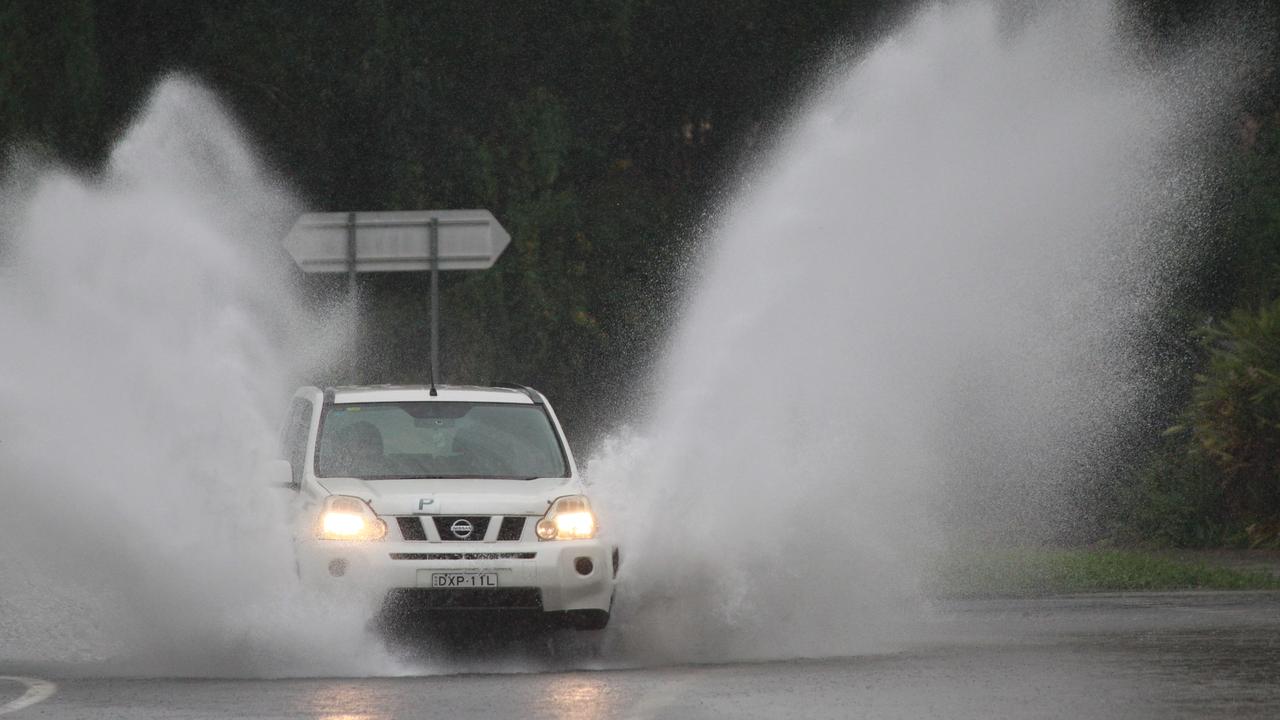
(391, 440)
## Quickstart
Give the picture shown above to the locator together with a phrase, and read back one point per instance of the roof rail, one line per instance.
(534, 395)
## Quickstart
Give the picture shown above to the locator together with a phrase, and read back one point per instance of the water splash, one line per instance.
(924, 295)
(152, 334)
(920, 306)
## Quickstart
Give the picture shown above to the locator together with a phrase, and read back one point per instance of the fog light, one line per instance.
(584, 566)
(338, 567)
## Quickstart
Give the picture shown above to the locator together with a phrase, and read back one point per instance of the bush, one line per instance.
(1176, 500)
(1234, 417)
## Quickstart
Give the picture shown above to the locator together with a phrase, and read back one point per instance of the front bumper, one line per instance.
(553, 568)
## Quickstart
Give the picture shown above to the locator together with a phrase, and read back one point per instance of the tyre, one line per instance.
(587, 619)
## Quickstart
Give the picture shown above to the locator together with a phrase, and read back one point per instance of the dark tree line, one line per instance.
(596, 130)
(601, 133)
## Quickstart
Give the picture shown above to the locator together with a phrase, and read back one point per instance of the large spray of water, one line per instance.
(151, 335)
(924, 296)
(924, 292)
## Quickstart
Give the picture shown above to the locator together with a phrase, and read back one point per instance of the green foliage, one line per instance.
(1214, 478)
(50, 84)
(1251, 275)
(1026, 572)
(1234, 416)
(597, 131)
(1176, 500)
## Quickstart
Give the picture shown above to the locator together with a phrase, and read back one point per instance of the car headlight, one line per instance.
(568, 518)
(349, 518)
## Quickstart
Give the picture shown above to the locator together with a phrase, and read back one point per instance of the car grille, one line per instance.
(447, 526)
(512, 528)
(412, 527)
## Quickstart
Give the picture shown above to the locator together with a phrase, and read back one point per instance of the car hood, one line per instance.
(455, 497)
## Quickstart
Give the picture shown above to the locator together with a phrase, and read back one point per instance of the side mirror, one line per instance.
(276, 473)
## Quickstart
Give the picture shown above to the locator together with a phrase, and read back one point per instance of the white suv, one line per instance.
(445, 498)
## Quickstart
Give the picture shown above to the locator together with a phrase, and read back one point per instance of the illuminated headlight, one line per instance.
(349, 518)
(569, 518)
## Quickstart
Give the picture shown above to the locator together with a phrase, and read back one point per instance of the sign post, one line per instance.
(353, 293)
(409, 241)
(434, 231)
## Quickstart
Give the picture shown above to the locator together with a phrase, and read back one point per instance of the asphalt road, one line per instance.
(1193, 655)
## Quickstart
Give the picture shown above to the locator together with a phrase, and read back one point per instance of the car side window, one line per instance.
(294, 441)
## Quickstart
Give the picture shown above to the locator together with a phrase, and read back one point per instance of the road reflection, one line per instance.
(578, 697)
(345, 701)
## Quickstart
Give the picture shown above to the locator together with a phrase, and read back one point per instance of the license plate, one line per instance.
(464, 580)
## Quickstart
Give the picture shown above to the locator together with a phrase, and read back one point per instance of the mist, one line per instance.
(916, 325)
(914, 320)
(153, 332)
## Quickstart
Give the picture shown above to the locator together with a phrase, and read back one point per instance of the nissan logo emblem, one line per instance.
(461, 528)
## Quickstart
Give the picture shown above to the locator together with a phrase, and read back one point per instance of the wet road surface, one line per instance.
(1192, 655)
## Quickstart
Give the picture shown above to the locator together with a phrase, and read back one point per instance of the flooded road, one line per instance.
(1160, 655)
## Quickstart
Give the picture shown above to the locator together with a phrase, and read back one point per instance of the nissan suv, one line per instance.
(445, 498)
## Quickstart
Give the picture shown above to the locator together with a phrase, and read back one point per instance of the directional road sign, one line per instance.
(395, 241)
(435, 240)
